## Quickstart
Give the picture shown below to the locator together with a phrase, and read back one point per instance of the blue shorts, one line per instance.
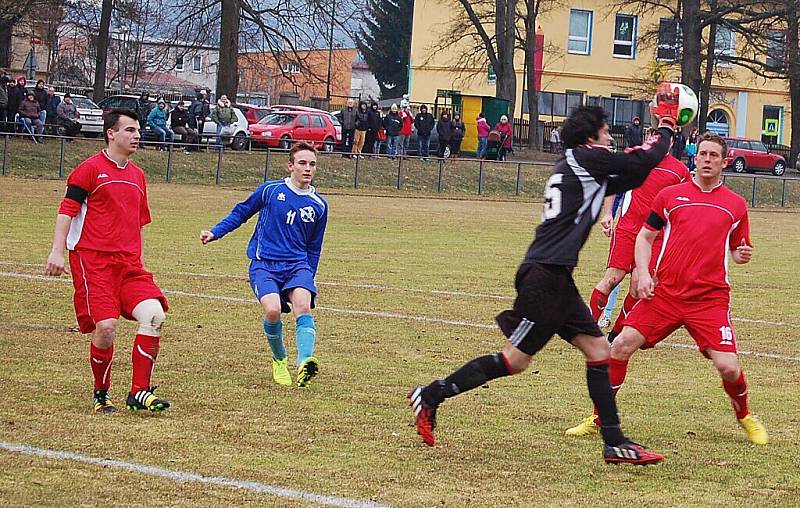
(280, 277)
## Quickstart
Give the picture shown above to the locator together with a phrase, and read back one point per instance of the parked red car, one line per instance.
(282, 128)
(749, 155)
(253, 113)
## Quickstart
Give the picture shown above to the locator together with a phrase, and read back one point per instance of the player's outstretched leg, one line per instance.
(307, 364)
(618, 448)
(280, 360)
(425, 401)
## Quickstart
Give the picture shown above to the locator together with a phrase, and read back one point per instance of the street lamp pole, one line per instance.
(330, 53)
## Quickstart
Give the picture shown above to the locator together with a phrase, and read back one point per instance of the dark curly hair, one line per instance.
(582, 124)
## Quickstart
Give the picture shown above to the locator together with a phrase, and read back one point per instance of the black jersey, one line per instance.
(574, 194)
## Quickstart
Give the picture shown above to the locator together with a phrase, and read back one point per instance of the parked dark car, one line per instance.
(749, 155)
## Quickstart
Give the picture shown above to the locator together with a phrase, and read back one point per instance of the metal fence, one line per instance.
(56, 157)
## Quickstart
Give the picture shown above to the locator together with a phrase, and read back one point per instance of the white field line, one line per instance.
(411, 317)
(183, 476)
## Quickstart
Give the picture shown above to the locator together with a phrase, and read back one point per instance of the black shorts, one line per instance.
(547, 303)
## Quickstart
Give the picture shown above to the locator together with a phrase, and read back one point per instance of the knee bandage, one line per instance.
(150, 316)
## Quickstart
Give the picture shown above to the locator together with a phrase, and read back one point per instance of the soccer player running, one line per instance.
(100, 221)
(284, 250)
(548, 301)
(670, 171)
(704, 223)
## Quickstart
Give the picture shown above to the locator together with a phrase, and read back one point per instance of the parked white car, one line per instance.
(237, 135)
(91, 115)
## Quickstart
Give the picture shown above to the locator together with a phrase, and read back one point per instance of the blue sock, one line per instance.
(306, 337)
(274, 333)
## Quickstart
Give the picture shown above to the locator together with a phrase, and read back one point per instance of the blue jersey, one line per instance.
(291, 223)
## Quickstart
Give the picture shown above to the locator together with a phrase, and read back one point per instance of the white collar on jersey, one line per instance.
(706, 191)
(115, 162)
(296, 189)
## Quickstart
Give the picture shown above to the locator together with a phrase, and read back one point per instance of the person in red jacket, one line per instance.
(505, 130)
(405, 131)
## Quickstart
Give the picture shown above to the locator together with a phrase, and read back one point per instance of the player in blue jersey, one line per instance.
(285, 250)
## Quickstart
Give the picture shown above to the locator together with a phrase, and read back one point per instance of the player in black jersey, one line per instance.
(547, 301)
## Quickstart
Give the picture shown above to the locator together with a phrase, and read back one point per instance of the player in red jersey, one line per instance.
(670, 171)
(100, 222)
(704, 223)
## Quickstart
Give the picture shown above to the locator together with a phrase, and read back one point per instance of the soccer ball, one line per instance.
(676, 100)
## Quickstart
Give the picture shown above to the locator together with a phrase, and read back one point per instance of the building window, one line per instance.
(574, 100)
(580, 32)
(179, 63)
(197, 63)
(291, 68)
(149, 55)
(776, 49)
(625, 36)
(724, 46)
(667, 39)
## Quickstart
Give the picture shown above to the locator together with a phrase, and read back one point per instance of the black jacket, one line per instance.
(392, 123)
(41, 97)
(678, 145)
(459, 129)
(445, 129)
(374, 120)
(15, 96)
(633, 135)
(179, 118)
(424, 123)
(362, 120)
(200, 108)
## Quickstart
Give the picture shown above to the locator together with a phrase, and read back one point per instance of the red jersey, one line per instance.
(636, 208)
(111, 217)
(700, 228)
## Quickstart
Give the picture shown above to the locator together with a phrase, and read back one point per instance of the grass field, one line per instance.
(386, 264)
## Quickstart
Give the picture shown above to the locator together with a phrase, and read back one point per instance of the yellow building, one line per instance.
(595, 53)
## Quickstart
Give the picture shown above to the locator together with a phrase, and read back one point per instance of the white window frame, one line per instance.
(149, 56)
(724, 51)
(197, 63)
(621, 42)
(179, 62)
(582, 38)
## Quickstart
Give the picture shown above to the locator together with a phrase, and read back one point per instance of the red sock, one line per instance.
(627, 305)
(737, 391)
(617, 370)
(597, 303)
(100, 360)
(143, 358)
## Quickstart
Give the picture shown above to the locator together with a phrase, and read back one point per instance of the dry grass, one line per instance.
(350, 434)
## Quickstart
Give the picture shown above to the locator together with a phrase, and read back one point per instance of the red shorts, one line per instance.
(707, 321)
(622, 252)
(109, 285)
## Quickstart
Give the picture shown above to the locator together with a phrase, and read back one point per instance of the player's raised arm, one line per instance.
(240, 214)
(630, 168)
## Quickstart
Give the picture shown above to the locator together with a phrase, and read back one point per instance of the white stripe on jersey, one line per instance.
(593, 192)
(76, 226)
